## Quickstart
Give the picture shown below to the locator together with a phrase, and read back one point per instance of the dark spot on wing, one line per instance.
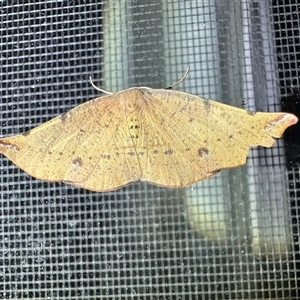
(105, 156)
(134, 127)
(133, 120)
(77, 162)
(202, 152)
(168, 152)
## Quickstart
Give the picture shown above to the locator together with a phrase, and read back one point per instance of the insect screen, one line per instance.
(234, 236)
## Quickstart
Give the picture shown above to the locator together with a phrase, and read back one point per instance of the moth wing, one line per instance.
(87, 146)
(192, 138)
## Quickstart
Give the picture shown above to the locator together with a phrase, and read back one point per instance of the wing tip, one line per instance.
(6, 146)
(278, 125)
(292, 119)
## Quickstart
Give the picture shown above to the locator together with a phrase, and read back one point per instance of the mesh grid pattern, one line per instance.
(234, 236)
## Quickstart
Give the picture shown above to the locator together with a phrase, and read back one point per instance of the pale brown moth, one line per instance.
(165, 137)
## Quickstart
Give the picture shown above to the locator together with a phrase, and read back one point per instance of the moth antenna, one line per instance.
(180, 80)
(98, 89)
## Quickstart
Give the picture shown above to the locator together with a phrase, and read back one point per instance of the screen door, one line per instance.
(233, 236)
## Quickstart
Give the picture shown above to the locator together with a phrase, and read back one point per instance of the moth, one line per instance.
(162, 136)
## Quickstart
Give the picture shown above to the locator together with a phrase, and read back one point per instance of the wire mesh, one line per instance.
(234, 236)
